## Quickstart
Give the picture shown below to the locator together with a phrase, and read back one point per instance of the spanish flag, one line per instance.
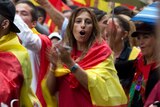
(79, 3)
(44, 64)
(15, 72)
(104, 88)
(100, 4)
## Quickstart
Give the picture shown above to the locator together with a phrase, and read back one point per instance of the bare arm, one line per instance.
(79, 73)
(51, 81)
(56, 16)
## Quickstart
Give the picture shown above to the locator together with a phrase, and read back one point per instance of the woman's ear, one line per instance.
(126, 33)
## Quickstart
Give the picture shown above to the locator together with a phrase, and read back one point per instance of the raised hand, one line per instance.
(64, 53)
(52, 55)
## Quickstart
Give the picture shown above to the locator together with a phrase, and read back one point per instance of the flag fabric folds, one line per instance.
(17, 75)
(79, 2)
(44, 64)
(103, 84)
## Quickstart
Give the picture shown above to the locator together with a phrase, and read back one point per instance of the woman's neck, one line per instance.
(117, 49)
(81, 46)
(150, 59)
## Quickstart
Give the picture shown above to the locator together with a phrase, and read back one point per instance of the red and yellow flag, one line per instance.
(104, 87)
(44, 64)
(17, 77)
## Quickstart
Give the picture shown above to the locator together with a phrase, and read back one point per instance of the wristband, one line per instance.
(74, 68)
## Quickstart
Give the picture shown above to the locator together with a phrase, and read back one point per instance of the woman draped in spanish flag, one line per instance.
(83, 73)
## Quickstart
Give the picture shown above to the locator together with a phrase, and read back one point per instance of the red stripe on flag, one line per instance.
(79, 4)
(11, 78)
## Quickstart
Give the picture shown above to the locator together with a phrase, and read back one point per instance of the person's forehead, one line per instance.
(105, 17)
(83, 14)
(116, 22)
(23, 7)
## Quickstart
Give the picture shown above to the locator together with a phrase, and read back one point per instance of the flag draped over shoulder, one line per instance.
(103, 84)
(11, 80)
(44, 64)
(17, 77)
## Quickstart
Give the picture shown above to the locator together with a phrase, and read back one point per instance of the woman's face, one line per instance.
(103, 25)
(147, 43)
(83, 26)
(118, 30)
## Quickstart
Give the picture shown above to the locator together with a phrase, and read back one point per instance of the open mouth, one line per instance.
(82, 32)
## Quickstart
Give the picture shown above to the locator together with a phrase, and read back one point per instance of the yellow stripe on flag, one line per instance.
(102, 5)
(80, 1)
(34, 2)
(10, 43)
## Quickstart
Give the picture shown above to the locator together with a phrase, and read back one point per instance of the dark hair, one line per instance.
(95, 31)
(41, 13)
(73, 7)
(33, 11)
(144, 28)
(1, 18)
(123, 10)
(99, 13)
(65, 11)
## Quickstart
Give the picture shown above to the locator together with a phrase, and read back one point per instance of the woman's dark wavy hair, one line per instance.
(123, 10)
(95, 31)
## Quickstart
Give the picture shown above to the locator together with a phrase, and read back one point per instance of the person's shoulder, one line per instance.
(45, 39)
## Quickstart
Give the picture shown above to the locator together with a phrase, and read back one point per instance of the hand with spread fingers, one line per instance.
(59, 53)
(63, 53)
(52, 55)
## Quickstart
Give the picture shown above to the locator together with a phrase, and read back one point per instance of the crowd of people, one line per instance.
(92, 59)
